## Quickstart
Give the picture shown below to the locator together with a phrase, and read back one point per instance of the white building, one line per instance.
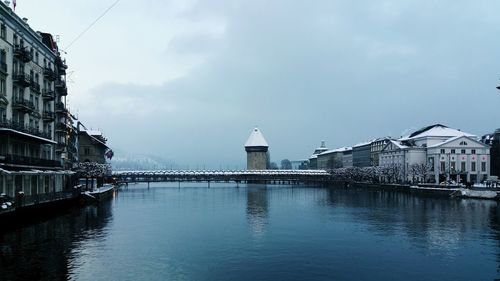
(443, 154)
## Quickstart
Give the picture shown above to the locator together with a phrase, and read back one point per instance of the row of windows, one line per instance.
(463, 167)
(453, 151)
(20, 42)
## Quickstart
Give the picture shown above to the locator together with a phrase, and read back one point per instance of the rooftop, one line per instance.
(436, 130)
(256, 139)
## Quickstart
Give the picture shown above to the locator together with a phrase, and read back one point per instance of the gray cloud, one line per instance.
(341, 71)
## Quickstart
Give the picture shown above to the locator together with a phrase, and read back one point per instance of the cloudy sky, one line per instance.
(188, 80)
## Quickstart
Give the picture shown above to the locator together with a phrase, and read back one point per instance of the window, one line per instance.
(3, 56)
(2, 86)
(463, 143)
(462, 151)
(473, 151)
(442, 151)
(430, 161)
(473, 166)
(443, 166)
(483, 166)
(3, 114)
(453, 166)
(3, 31)
(462, 166)
(453, 151)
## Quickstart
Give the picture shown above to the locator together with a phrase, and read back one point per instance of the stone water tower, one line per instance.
(257, 148)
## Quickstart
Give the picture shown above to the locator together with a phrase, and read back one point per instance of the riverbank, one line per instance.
(21, 213)
(435, 190)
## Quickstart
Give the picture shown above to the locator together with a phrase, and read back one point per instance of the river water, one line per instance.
(254, 232)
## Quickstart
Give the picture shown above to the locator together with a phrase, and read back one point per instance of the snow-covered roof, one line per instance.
(398, 144)
(96, 136)
(340, 149)
(364, 143)
(93, 132)
(456, 138)
(256, 139)
(436, 130)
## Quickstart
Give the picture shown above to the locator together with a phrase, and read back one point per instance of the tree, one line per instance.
(392, 172)
(286, 164)
(273, 166)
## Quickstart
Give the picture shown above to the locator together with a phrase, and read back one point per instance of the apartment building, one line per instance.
(33, 114)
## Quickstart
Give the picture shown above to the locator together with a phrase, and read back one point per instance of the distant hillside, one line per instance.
(122, 162)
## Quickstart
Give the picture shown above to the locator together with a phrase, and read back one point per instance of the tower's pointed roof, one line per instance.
(256, 139)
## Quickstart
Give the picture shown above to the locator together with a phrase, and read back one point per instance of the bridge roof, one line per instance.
(256, 139)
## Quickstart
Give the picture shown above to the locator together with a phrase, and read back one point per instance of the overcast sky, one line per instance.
(188, 80)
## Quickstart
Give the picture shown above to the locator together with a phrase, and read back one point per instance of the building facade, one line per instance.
(347, 157)
(32, 109)
(331, 159)
(493, 140)
(313, 159)
(376, 147)
(361, 154)
(436, 154)
(92, 146)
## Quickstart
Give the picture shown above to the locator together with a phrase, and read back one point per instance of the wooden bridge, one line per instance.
(242, 176)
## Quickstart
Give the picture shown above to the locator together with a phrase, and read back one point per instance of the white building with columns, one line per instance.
(445, 153)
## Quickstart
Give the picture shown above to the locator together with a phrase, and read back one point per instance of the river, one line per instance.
(257, 232)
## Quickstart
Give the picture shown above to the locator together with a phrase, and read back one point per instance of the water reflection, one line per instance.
(260, 233)
(257, 208)
(45, 251)
(428, 222)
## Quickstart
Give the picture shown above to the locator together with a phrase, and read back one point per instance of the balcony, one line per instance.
(61, 127)
(60, 146)
(22, 79)
(61, 88)
(24, 129)
(22, 53)
(49, 116)
(35, 87)
(49, 74)
(3, 67)
(23, 105)
(61, 66)
(48, 94)
(60, 108)
(29, 161)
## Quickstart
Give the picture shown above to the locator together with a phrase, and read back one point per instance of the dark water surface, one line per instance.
(260, 233)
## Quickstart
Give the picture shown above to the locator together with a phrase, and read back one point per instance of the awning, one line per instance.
(28, 135)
